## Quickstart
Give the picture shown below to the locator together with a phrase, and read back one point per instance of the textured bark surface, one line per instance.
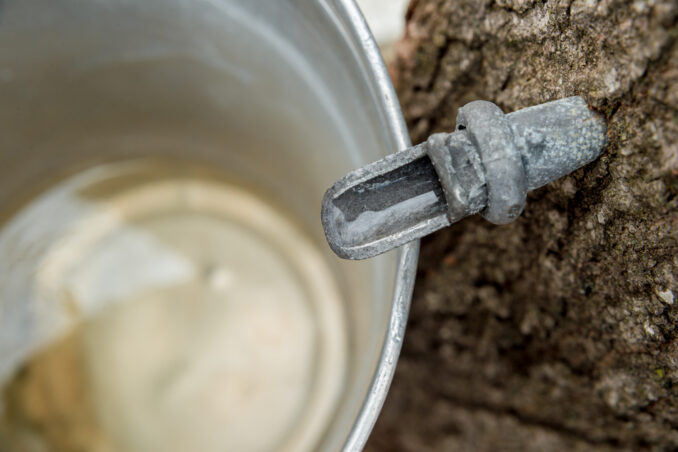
(559, 331)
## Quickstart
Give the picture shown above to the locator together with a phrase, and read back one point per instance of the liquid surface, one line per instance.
(151, 308)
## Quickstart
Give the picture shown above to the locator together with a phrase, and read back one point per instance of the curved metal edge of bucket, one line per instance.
(357, 30)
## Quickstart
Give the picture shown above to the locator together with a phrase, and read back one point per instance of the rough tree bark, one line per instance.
(559, 331)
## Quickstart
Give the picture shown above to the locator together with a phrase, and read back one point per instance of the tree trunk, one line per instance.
(560, 330)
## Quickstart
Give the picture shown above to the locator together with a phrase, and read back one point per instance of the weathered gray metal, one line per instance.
(486, 166)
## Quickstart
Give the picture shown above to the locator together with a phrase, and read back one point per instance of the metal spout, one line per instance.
(486, 166)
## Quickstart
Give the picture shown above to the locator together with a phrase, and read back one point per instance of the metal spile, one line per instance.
(486, 166)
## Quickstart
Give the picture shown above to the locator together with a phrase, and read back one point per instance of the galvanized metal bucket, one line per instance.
(301, 85)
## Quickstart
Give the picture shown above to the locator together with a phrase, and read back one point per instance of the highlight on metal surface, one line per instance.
(486, 166)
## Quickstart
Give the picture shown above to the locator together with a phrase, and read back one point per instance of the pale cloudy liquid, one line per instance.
(206, 320)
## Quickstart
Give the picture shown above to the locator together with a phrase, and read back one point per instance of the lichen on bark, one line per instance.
(558, 331)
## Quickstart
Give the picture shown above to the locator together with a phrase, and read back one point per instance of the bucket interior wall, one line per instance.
(273, 93)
